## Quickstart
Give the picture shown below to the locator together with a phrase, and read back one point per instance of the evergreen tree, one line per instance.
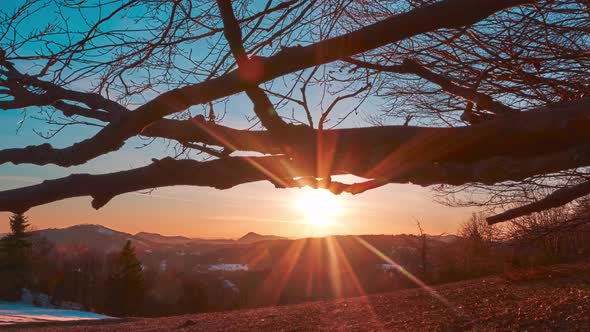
(15, 257)
(126, 283)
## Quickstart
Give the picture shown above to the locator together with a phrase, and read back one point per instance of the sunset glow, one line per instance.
(236, 165)
(319, 207)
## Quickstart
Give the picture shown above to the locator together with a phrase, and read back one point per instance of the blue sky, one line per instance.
(205, 212)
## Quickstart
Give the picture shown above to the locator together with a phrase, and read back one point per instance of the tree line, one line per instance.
(119, 284)
(22, 264)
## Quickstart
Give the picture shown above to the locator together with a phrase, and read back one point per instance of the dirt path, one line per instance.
(555, 299)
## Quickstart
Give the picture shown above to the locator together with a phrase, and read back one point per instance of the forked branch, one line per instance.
(443, 14)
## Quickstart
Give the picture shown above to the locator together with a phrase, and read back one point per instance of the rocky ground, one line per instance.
(548, 299)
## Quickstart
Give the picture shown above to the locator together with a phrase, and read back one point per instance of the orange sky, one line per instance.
(258, 207)
(206, 212)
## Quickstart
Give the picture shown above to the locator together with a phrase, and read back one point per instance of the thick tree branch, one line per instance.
(551, 129)
(70, 109)
(487, 171)
(531, 134)
(443, 14)
(263, 107)
(220, 174)
(555, 199)
(407, 152)
(286, 172)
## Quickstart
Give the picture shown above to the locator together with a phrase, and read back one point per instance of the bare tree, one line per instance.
(423, 252)
(468, 94)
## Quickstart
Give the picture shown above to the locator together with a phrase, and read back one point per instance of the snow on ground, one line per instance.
(228, 267)
(16, 312)
(104, 230)
(389, 267)
(231, 285)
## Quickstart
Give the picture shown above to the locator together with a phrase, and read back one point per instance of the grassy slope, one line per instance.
(549, 299)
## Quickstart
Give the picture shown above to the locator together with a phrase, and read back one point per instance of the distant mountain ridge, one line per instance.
(158, 238)
(446, 238)
(252, 237)
(95, 237)
(104, 239)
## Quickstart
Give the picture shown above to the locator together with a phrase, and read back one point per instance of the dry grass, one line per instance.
(546, 299)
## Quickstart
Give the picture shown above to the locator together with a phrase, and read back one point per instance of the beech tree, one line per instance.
(481, 98)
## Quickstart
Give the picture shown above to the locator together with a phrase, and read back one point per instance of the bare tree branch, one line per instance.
(444, 14)
(525, 75)
(220, 174)
(555, 199)
(262, 104)
(284, 172)
(413, 67)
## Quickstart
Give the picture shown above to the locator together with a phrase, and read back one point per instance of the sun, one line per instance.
(319, 207)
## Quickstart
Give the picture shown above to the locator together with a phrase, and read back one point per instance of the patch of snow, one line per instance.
(231, 285)
(17, 312)
(36, 299)
(42, 300)
(148, 251)
(70, 305)
(228, 267)
(137, 242)
(26, 297)
(104, 230)
(163, 265)
(388, 267)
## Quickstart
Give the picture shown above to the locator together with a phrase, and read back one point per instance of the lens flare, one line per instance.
(319, 207)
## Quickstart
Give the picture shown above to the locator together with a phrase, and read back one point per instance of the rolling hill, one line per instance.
(252, 237)
(105, 240)
(95, 237)
(547, 299)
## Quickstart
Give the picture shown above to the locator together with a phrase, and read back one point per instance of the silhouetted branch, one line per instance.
(284, 172)
(263, 107)
(220, 174)
(555, 199)
(410, 66)
(444, 14)
(552, 129)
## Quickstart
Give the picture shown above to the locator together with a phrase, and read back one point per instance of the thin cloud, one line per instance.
(254, 219)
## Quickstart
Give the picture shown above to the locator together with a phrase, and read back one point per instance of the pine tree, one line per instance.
(15, 257)
(125, 283)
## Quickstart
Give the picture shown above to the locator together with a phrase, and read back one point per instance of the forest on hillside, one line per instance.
(280, 271)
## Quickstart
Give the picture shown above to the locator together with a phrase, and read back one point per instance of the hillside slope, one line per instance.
(549, 299)
(252, 237)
